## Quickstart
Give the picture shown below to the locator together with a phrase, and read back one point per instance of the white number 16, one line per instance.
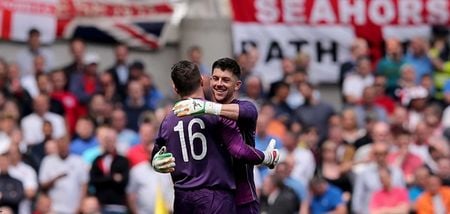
(180, 129)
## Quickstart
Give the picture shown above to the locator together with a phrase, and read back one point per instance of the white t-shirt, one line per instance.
(32, 127)
(354, 85)
(144, 182)
(66, 193)
(28, 177)
(304, 166)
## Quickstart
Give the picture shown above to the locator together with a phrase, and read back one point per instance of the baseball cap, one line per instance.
(91, 58)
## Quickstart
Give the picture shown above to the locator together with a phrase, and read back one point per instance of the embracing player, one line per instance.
(201, 146)
(225, 83)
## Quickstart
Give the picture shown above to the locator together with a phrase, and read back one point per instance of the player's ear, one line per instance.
(201, 81)
(174, 88)
(238, 85)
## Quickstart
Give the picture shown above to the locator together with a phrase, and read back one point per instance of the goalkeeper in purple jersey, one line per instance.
(225, 85)
(198, 151)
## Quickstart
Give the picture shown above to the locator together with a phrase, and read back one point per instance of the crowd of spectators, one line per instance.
(80, 138)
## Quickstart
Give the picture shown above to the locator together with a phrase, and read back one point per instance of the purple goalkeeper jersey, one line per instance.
(243, 172)
(202, 146)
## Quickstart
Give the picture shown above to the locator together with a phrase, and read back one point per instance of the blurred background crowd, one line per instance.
(80, 137)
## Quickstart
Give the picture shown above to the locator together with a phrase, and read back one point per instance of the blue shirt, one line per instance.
(297, 186)
(421, 64)
(414, 193)
(78, 146)
(328, 201)
(261, 145)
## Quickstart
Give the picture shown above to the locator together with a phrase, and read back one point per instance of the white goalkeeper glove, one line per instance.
(163, 161)
(271, 155)
(195, 107)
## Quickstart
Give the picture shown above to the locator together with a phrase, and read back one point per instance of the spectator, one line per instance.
(137, 69)
(126, 138)
(278, 94)
(68, 100)
(195, 54)
(34, 121)
(262, 139)
(45, 86)
(253, 90)
(26, 56)
(358, 49)
(11, 189)
(25, 174)
(43, 204)
(146, 185)
(443, 170)
(381, 98)
(29, 82)
(277, 198)
(99, 110)
(314, 112)
(84, 85)
(389, 199)
(284, 170)
(303, 160)
(417, 56)
(403, 158)
(85, 138)
(90, 205)
(369, 107)
(367, 181)
(134, 104)
(16, 90)
(295, 98)
(421, 139)
(325, 198)
(77, 50)
(120, 70)
(109, 176)
(418, 187)
(432, 115)
(436, 198)
(355, 83)
(61, 174)
(407, 78)
(152, 94)
(390, 65)
(37, 151)
(141, 152)
(351, 133)
(446, 113)
(109, 89)
(416, 100)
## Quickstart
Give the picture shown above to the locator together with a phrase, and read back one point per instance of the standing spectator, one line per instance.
(368, 181)
(24, 173)
(146, 185)
(84, 85)
(418, 187)
(417, 56)
(389, 199)
(351, 133)
(120, 69)
(126, 138)
(277, 198)
(68, 100)
(278, 94)
(314, 112)
(77, 50)
(64, 173)
(355, 83)
(141, 152)
(382, 99)
(45, 86)
(390, 65)
(109, 176)
(436, 198)
(33, 122)
(26, 56)
(134, 104)
(16, 90)
(110, 89)
(284, 170)
(152, 94)
(324, 198)
(253, 90)
(85, 138)
(195, 55)
(99, 110)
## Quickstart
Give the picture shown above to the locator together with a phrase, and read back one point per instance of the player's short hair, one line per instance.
(186, 77)
(228, 64)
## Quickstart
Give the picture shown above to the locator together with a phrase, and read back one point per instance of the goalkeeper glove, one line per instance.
(195, 107)
(271, 155)
(163, 161)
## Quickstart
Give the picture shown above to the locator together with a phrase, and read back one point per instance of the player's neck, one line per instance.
(197, 94)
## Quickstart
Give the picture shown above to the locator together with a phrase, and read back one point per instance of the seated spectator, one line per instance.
(85, 136)
(253, 90)
(90, 205)
(284, 170)
(381, 98)
(126, 138)
(43, 204)
(407, 78)
(417, 56)
(99, 110)
(435, 199)
(84, 85)
(389, 199)
(134, 104)
(109, 176)
(61, 174)
(277, 198)
(77, 50)
(278, 94)
(351, 133)
(325, 198)
(369, 107)
(416, 99)
(418, 187)
(152, 94)
(37, 151)
(109, 89)
(390, 65)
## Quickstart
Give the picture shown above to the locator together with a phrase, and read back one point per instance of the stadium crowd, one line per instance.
(79, 138)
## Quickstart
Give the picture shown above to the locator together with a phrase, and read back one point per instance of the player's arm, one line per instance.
(240, 150)
(162, 161)
(243, 111)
